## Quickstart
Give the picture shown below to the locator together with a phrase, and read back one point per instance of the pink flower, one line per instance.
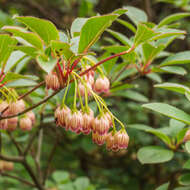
(52, 81)
(74, 122)
(3, 124)
(101, 125)
(187, 136)
(12, 123)
(98, 139)
(110, 142)
(102, 85)
(88, 119)
(82, 89)
(61, 115)
(25, 124)
(121, 139)
(32, 117)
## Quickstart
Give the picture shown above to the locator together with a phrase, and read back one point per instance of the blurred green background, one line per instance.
(77, 160)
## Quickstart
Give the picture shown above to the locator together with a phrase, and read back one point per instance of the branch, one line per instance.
(11, 159)
(50, 158)
(17, 178)
(32, 175)
(15, 143)
(107, 59)
(26, 94)
(32, 107)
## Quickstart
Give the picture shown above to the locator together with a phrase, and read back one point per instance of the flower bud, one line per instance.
(110, 142)
(3, 124)
(88, 119)
(187, 136)
(8, 166)
(101, 125)
(102, 85)
(25, 124)
(98, 139)
(74, 121)
(12, 123)
(21, 105)
(121, 139)
(61, 115)
(31, 116)
(52, 81)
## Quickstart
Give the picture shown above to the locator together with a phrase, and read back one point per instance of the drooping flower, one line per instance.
(52, 81)
(31, 116)
(88, 119)
(102, 84)
(101, 125)
(3, 124)
(25, 124)
(98, 139)
(12, 123)
(61, 115)
(122, 139)
(110, 142)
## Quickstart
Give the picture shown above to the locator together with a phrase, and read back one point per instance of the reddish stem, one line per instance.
(107, 59)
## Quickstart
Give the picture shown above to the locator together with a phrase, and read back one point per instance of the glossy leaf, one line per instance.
(169, 111)
(143, 34)
(136, 15)
(44, 28)
(46, 65)
(6, 47)
(92, 30)
(163, 186)
(187, 146)
(30, 37)
(178, 58)
(174, 87)
(154, 155)
(170, 69)
(171, 18)
(184, 179)
(77, 25)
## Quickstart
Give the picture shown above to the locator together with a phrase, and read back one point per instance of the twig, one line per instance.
(18, 178)
(32, 107)
(50, 158)
(11, 159)
(32, 175)
(27, 149)
(26, 94)
(15, 143)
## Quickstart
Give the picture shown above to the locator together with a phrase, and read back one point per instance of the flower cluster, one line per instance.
(13, 108)
(84, 121)
(6, 166)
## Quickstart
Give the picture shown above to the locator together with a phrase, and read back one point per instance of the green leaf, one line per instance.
(177, 58)
(184, 179)
(181, 135)
(14, 59)
(175, 127)
(136, 15)
(22, 83)
(150, 52)
(81, 183)
(46, 65)
(169, 111)
(28, 50)
(30, 37)
(132, 95)
(14, 76)
(170, 69)
(154, 155)
(173, 87)
(187, 95)
(163, 186)
(119, 36)
(122, 87)
(61, 177)
(143, 34)
(92, 30)
(182, 188)
(172, 18)
(187, 165)
(187, 146)
(155, 77)
(127, 24)
(44, 28)
(62, 48)
(77, 26)
(153, 131)
(6, 47)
